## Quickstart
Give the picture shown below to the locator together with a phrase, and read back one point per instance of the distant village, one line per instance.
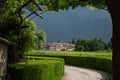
(57, 46)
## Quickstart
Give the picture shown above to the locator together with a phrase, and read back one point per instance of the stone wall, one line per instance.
(3, 58)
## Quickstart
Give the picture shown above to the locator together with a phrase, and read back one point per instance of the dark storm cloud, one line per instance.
(77, 23)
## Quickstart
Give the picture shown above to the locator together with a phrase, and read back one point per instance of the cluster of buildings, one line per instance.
(57, 46)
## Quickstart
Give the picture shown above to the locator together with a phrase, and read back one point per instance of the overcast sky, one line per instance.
(78, 23)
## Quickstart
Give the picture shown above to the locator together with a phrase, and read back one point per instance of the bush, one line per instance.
(95, 60)
(37, 70)
(89, 62)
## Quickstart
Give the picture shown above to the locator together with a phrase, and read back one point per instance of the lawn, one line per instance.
(99, 54)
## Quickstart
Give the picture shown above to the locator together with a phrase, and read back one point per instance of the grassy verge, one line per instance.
(38, 69)
(101, 54)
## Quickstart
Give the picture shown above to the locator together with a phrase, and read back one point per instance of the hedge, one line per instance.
(37, 70)
(87, 62)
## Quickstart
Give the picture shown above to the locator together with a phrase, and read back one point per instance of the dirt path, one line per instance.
(74, 73)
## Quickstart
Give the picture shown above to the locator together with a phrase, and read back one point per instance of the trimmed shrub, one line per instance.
(89, 62)
(37, 70)
(95, 60)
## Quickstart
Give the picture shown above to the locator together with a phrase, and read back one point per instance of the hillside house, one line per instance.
(57, 46)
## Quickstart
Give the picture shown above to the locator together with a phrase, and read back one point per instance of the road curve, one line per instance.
(75, 73)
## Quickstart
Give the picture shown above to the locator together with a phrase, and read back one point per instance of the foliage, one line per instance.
(73, 41)
(17, 28)
(13, 6)
(40, 69)
(81, 45)
(95, 60)
(39, 38)
(22, 39)
(92, 45)
(109, 45)
(56, 5)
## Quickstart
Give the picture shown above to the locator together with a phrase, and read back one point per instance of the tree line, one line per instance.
(92, 45)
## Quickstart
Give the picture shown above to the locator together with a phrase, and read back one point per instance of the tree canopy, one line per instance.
(40, 36)
(92, 45)
(15, 7)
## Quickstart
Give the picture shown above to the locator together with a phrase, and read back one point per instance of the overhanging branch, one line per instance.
(32, 11)
(19, 12)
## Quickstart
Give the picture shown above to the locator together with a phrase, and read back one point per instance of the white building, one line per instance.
(57, 46)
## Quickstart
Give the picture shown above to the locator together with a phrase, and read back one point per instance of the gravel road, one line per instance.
(75, 73)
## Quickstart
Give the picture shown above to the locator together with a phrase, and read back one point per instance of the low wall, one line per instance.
(3, 57)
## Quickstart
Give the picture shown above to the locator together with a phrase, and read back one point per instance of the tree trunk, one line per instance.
(113, 7)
